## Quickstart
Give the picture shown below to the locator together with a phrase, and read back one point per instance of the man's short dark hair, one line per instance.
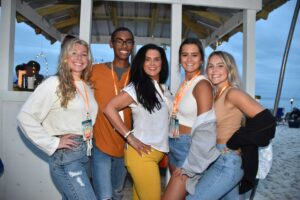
(113, 35)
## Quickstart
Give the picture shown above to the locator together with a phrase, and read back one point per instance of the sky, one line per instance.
(271, 38)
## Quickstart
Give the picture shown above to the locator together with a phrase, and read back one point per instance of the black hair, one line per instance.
(113, 35)
(20, 67)
(144, 86)
(197, 43)
(34, 64)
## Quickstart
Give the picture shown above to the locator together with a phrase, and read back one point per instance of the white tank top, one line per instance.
(187, 109)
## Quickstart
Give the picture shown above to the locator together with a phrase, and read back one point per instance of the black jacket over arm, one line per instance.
(257, 132)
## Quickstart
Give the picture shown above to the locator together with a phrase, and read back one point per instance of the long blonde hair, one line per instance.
(230, 64)
(66, 89)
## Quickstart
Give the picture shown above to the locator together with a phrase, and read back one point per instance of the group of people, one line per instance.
(28, 76)
(123, 116)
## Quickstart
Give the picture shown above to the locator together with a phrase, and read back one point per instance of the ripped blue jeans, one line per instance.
(68, 171)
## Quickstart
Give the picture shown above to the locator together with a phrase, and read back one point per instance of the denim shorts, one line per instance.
(221, 179)
(68, 171)
(179, 149)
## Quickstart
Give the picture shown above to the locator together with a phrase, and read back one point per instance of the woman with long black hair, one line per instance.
(150, 102)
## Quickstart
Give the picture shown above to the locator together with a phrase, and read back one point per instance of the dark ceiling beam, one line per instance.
(131, 18)
(234, 24)
(232, 4)
(154, 16)
(208, 16)
(114, 15)
(185, 32)
(66, 30)
(20, 18)
(198, 29)
(55, 9)
(66, 23)
(36, 20)
(264, 13)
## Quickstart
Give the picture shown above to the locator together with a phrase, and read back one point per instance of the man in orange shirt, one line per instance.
(108, 169)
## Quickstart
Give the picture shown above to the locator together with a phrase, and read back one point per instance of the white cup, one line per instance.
(30, 82)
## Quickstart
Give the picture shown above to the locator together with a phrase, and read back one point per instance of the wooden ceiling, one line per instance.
(146, 20)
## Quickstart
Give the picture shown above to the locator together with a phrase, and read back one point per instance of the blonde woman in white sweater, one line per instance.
(58, 118)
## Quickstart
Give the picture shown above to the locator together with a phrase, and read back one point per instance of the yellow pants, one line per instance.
(144, 171)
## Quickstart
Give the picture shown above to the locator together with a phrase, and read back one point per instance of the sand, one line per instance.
(283, 180)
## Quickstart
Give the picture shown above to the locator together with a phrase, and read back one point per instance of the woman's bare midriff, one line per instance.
(184, 129)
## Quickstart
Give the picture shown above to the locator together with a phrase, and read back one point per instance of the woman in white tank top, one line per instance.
(194, 97)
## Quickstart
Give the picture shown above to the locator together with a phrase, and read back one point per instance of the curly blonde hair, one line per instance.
(66, 90)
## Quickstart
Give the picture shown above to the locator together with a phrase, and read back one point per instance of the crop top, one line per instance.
(187, 109)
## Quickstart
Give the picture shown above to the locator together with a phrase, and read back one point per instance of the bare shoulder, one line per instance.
(237, 96)
(204, 86)
(203, 94)
(234, 93)
(243, 101)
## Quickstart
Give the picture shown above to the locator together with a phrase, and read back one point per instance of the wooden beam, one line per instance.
(209, 16)
(133, 18)
(114, 15)
(233, 4)
(154, 16)
(65, 23)
(138, 40)
(264, 13)
(20, 18)
(233, 25)
(37, 20)
(227, 27)
(198, 29)
(186, 32)
(55, 9)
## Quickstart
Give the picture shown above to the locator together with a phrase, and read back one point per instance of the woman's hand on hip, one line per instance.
(139, 146)
(67, 142)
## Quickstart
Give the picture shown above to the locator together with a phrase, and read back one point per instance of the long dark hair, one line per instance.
(144, 86)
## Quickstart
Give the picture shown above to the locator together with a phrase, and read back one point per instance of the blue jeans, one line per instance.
(179, 149)
(68, 171)
(221, 179)
(108, 174)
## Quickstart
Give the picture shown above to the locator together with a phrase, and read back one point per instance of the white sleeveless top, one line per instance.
(187, 109)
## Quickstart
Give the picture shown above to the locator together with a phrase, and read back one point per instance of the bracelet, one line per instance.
(127, 134)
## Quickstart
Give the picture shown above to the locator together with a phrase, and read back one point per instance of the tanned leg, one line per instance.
(175, 189)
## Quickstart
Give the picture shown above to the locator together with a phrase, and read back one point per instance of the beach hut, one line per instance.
(164, 22)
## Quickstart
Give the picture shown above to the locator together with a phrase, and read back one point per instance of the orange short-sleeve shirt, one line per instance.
(106, 138)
